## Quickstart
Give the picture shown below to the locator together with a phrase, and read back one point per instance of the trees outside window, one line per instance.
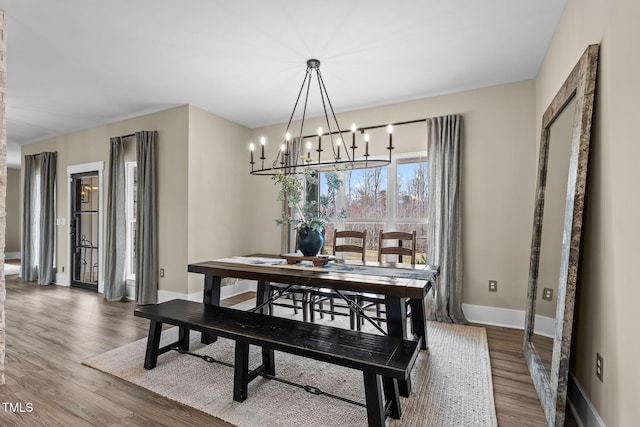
(393, 197)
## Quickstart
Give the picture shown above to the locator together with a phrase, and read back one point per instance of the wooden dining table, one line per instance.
(396, 282)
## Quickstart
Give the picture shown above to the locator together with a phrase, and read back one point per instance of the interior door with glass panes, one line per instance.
(84, 230)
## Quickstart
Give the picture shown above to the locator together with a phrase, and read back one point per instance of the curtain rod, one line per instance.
(132, 134)
(365, 128)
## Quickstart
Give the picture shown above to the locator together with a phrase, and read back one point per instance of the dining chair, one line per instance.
(345, 241)
(398, 241)
(295, 298)
(390, 243)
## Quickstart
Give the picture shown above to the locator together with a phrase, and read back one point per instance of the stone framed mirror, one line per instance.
(557, 229)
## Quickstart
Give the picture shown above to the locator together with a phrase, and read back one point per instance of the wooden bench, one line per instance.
(383, 360)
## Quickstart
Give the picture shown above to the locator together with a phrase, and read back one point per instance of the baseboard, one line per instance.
(11, 255)
(507, 318)
(62, 279)
(228, 291)
(583, 410)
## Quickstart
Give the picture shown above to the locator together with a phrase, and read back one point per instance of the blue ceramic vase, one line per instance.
(310, 241)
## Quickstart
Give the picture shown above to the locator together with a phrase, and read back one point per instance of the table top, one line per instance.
(393, 279)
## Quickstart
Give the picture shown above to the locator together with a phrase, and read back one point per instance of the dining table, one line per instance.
(399, 284)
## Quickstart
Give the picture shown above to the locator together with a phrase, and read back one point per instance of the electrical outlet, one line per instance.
(547, 294)
(599, 367)
(162, 272)
(493, 286)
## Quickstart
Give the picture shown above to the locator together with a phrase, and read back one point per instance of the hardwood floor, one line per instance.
(50, 330)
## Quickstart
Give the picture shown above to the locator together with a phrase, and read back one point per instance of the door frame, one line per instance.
(83, 168)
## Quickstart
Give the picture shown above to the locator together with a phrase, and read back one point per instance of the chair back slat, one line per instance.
(397, 247)
(351, 246)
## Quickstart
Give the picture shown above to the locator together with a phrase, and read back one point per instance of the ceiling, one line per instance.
(78, 64)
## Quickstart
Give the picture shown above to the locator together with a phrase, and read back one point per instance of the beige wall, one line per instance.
(498, 181)
(219, 200)
(92, 145)
(607, 315)
(12, 232)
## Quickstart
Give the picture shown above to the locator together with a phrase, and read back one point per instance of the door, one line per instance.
(84, 230)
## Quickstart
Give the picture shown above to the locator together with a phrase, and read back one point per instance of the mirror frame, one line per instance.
(552, 387)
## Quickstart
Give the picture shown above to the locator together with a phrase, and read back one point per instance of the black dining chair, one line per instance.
(391, 243)
(346, 241)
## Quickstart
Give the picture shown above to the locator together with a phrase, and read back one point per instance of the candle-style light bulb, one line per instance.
(338, 143)
(366, 147)
(319, 131)
(353, 141)
(283, 147)
(252, 147)
(287, 136)
(390, 130)
(319, 143)
(308, 151)
(263, 141)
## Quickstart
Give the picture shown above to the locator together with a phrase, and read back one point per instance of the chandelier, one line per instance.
(326, 150)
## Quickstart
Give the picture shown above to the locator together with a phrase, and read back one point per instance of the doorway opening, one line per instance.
(84, 228)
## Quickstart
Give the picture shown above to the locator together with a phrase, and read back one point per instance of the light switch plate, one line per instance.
(547, 294)
(493, 286)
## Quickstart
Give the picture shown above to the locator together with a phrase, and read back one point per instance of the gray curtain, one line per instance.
(46, 271)
(444, 303)
(115, 283)
(146, 220)
(28, 270)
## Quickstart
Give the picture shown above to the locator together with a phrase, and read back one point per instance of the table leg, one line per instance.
(418, 322)
(397, 327)
(212, 297)
(263, 294)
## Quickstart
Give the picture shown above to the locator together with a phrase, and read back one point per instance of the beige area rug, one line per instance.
(451, 382)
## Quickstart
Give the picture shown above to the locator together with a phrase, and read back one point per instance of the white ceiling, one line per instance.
(78, 64)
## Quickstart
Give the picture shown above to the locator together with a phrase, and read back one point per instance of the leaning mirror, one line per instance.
(557, 226)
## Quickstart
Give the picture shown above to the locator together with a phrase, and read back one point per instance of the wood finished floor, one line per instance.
(50, 330)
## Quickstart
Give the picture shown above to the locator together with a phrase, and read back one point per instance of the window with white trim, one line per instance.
(389, 198)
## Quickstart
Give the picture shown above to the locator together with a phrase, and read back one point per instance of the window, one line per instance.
(388, 198)
(131, 180)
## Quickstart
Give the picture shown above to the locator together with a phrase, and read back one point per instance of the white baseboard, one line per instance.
(62, 279)
(130, 293)
(507, 318)
(11, 255)
(228, 291)
(583, 410)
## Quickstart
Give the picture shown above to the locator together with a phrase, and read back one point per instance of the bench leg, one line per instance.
(184, 339)
(375, 403)
(268, 362)
(153, 345)
(392, 395)
(241, 372)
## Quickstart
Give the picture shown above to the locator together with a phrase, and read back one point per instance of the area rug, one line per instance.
(451, 382)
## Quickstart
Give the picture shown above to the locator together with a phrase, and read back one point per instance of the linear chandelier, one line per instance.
(296, 155)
